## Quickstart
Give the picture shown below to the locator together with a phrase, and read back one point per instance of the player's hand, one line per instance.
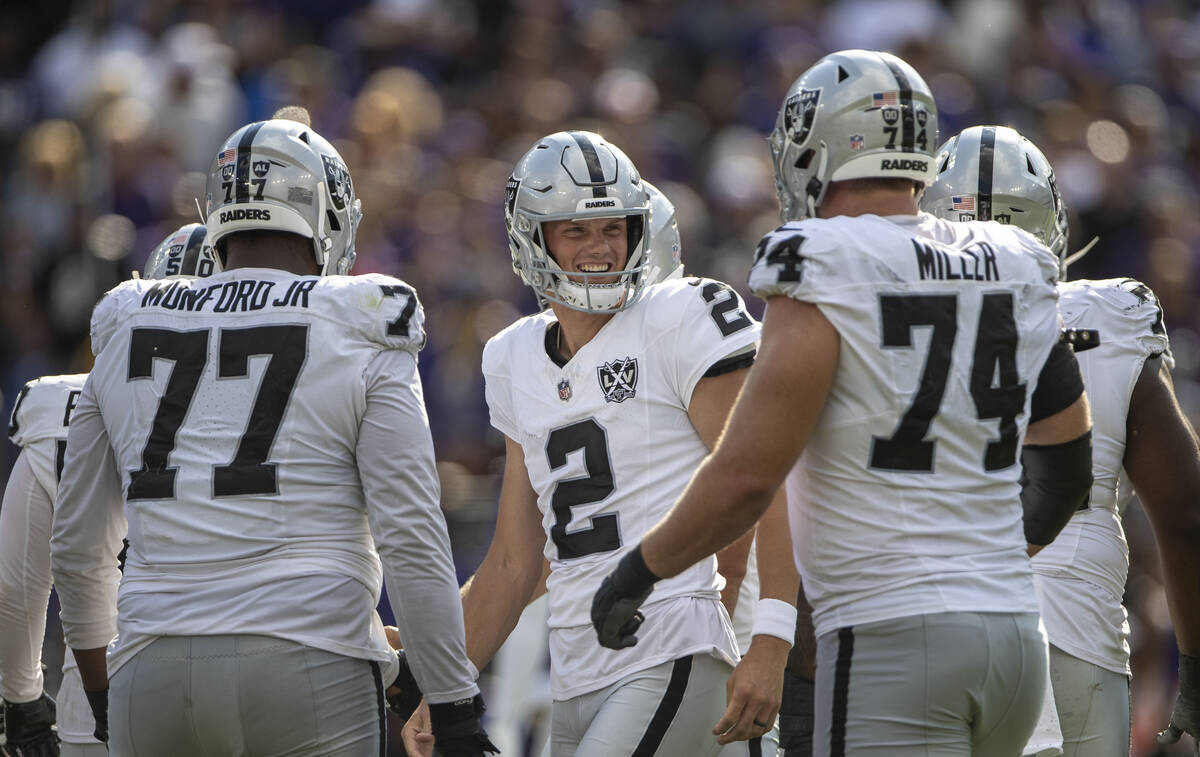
(30, 728)
(615, 614)
(1185, 718)
(417, 733)
(457, 731)
(98, 700)
(754, 691)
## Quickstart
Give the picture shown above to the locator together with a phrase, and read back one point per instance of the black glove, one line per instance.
(456, 729)
(615, 612)
(30, 728)
(796, 715)
(1185, 718)
(99, 703)
(405, 701)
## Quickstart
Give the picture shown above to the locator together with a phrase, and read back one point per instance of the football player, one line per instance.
(1140, 437)
(900, 355)
(38, 426)
(608, 398)
(263, 433)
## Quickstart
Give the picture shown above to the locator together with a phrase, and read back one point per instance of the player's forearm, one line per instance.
(1177, 539)
(731, 564)
(718, 506)
(493, 601)
(777, 574)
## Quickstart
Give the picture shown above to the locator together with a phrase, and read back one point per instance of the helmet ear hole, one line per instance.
(805, 159)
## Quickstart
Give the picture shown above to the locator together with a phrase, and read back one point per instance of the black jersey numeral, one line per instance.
(995, 386)
(729, 318)
(187, 351)
(604, 534)
(248, 473)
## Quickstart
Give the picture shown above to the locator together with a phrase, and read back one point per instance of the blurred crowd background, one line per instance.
(111, 113)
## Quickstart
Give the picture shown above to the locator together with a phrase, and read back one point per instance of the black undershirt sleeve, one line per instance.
(731, 364)
(1059, 384)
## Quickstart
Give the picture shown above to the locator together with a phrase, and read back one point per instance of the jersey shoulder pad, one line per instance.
(384, 309)
(1124, 311)
(114, 308)
(798, 257)
(505, 348)
(43, 408)
(1046, 261)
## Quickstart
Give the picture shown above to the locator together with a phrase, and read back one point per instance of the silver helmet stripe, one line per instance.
(241, 182)
(987, 159)
(592, 158)
(908, 131)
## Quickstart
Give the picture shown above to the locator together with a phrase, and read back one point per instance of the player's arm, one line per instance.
(403, 494)
(754, 691)
(24, 581)
(775, 414)
(708, 410)
(783, 397)
(89, 523)
(1163, 463)
(24, 594)
(1056, 460)
(514, 566)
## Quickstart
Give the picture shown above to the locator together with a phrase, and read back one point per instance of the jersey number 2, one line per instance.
(604, 535)
(248, 472)
(996, 389)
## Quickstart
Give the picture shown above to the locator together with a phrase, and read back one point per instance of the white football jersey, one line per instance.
(39, 422)
(237, 441)
(609, 447)
(907, 500)
(1081, 575)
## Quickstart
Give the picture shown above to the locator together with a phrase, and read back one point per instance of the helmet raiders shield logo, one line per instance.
(510, 195)
(227, 172)
(618, 379)
(260, 168)
(890, 115)
(341, 191)
(798, 114)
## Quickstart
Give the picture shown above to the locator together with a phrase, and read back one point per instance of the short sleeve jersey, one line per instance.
(1116, 325)
(39, 422)
(609, 446)
(233, 404)
(907, 498)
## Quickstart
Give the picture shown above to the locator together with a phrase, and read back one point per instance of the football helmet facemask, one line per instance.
(185, 252)
(572, 176)
(992, 173)
(856, 114)
(663, 247)
(280, 175)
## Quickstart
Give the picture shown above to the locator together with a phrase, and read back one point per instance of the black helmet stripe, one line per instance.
(987, 156)
(908, 132)
(592, 158)
(191, 251)
(241, 181)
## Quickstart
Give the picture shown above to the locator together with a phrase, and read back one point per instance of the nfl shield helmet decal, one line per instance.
(798, 114)
(618, 379)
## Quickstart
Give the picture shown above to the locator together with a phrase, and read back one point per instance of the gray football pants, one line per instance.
(1093, 707)
(667, 710)
(939, 685)
(244, 696)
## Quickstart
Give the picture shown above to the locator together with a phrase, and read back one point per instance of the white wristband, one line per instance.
(774, 617)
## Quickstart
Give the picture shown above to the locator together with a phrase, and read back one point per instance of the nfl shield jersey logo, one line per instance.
(564, 390)
(618, 379)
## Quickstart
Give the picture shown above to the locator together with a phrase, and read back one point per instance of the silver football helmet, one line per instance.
(856, 114)
(571, 175)
(992, 173)
(663, 247)
(280, 175)
(185, 252)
